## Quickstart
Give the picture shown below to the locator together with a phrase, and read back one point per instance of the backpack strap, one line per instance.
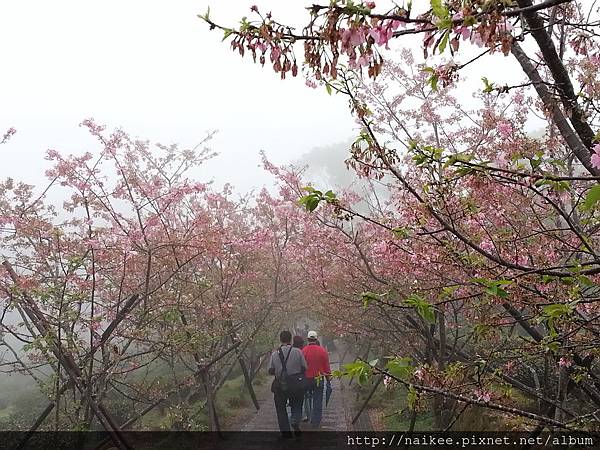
(284, 362)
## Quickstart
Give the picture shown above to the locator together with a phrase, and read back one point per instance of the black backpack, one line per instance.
(293, 384)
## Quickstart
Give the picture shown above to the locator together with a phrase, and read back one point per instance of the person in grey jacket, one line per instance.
(294, 364)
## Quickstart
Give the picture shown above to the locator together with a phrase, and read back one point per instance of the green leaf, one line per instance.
(75, 262)
(551, 313)
(337, 373)
(483, 281)
(411, 397)
(433, 81)
(489, 87)
(422, 306)
(557, 310)
(438, 9)
(445, 24)
(542, 182)
(585, 281)
(206, 16)
(550, 345)
(493, 286)
(561, 186)
(535, 162)
(462, 171)
(548, 278)
(310, 201)
(400, 368)
(228, 32)
(328, 88)
(496, 292)
(592, 197)
(456, 158)
(443, 42)
(358, 369)
(401, 232)
(481, 329)
(368, 297)
(420, 159)
(448, 291)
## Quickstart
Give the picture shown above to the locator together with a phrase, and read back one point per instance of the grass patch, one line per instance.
(6, 412)
(232, 397)
(392, 409)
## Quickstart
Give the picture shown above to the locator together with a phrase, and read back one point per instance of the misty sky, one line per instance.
(153, 68)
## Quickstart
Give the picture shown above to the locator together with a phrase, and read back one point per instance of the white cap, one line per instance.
(312, 335)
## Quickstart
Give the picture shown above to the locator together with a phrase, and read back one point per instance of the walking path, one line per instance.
(334, 414)
(334, 419)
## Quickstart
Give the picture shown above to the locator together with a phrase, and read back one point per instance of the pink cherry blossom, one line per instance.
(262, 46)
(565, 361)
(596, 156)
(363, 60)
(510, 366)
(482, 395)
(465, 32)
(381, 35)
(504, 128)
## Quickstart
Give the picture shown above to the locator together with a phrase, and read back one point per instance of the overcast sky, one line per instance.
(153, 68)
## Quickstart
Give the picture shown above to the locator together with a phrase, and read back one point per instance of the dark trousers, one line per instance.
(281, 400)
(315, 394)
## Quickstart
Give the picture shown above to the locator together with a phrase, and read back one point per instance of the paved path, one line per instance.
(265, 419)
(334, 414)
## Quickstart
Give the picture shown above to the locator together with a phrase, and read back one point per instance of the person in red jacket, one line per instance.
(317, 370)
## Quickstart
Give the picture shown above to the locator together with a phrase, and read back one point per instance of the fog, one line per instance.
(157, 72)
(154, 69)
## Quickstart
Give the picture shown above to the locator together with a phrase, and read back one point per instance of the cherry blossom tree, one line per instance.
(489, 232)
(138, 288)
(470, 267)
